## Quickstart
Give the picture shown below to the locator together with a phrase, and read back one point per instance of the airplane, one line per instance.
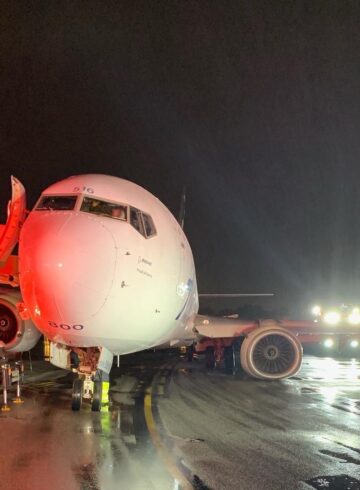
(104, 269)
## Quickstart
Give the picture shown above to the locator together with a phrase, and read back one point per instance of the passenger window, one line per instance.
(104, 208)
(150, 229)
(56, 203)
(135, 220)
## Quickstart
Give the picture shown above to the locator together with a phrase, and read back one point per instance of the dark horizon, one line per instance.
(254, 106)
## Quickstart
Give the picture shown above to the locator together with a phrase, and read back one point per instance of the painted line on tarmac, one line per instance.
(159, 445)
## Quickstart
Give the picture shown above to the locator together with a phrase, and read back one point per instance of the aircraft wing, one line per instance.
(233, 295)
(217, 327)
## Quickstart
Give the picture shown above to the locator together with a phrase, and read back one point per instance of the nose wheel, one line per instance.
(77, 395)
(92, 383)
(97, 397)
(88, 390)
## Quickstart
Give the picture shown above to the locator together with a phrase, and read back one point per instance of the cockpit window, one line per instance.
(104, 208)
(56, 203)
(150, 229)
(136, 221)
(142, 222)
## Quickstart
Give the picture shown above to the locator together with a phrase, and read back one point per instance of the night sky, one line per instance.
(253, 105)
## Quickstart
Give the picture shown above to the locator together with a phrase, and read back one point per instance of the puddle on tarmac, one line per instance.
(309, 390)
(86, 476)
(198, 484)
(342, 456)
(348, 447)
(336, 482)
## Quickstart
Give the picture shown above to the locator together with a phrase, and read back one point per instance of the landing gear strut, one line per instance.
(232, 358)
(190, 353)
(210, 358)
(229, 359)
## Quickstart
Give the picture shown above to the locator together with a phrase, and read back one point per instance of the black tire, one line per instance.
(238, 369)
(77, 395)
(189, 353)
(210, 358)
(229, 359)
(96, 401)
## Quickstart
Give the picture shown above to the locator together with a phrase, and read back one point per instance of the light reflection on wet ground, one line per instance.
(275, 435)
(221, 432)
(52, 447)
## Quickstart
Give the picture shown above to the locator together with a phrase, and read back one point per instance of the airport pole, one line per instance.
(18, 398)
(22, 370)
(30, 361)
(6, 372)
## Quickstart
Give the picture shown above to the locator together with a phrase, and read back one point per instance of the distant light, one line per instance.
(354, 344)
(316, 310)
(332, 317)
(354, 317)
(329, 343)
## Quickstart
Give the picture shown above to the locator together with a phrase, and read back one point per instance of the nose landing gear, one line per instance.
(90, 388)
(92, 382)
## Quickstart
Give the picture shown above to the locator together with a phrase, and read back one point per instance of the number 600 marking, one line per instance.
(64, 326)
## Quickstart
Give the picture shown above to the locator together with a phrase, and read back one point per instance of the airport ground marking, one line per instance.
(160, 447)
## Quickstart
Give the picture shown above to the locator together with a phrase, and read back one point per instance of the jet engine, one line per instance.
(270, 352)
(16, 334)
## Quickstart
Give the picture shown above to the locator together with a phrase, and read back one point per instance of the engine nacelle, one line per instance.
(16, 334)
(271, 352)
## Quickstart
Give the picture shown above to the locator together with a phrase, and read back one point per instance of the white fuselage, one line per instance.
(89, 279)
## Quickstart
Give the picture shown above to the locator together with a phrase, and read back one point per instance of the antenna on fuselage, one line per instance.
(181, 218)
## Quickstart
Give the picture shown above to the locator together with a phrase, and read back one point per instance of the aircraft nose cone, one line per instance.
(67, 264)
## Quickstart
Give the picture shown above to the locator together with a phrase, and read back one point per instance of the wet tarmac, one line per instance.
(174, 425)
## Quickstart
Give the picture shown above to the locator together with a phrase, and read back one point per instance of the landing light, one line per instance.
(316, 310)
(329, 343)
(354, 344)
(332, 317)
(354, 317)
